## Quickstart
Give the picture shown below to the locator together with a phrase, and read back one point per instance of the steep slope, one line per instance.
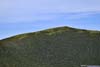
(57, 47)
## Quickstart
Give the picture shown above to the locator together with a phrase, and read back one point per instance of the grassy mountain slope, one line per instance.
(57, 47)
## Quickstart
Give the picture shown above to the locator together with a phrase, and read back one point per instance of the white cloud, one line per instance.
(33, 10)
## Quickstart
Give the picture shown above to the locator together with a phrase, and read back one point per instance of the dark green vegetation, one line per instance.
(57, 47)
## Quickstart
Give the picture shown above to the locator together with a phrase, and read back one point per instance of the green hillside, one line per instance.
(56, 47)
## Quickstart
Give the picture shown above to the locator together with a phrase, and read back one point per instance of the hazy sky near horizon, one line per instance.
(21, 16)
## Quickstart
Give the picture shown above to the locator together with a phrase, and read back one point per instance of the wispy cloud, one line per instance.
(80, 15)
(46, 17)
(34, 10)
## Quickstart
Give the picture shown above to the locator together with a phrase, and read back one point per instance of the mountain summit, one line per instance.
(56, 47)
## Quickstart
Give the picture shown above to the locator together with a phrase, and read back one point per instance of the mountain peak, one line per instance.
(52, 31)
(57, 30)
(63, 28)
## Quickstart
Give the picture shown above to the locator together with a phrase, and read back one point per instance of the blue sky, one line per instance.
(21, 16)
